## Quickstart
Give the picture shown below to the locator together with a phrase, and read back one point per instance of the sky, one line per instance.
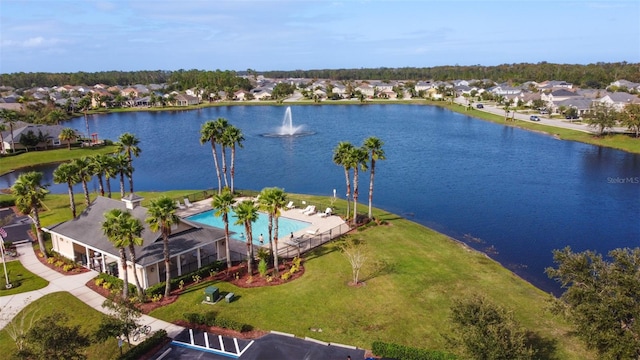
(130, 35)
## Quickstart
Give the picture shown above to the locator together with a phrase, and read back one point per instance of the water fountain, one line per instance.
(287, 129)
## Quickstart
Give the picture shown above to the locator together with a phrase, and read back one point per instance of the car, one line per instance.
(543, 111)
(571, 117)
(534, 118)
(479, 106)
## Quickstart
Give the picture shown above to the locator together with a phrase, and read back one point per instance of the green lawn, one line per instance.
(50, 156)
(22, 279)
(78, 313)
(407, 302)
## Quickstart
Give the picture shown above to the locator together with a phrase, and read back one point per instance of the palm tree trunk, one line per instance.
(270, 230)
(100, 184)
(108, 186)
(275, 248)
(346, 175)
(132, 252)
(36, 222)
(121, 183)
(215, 163)
(2, 145)
(233, 166)
(355, 195)
(373, 170)
(85, 188)
(224, 165)
(72, 202)
(167, 264)
(247, 228)
(125, 274)
(13, 145)
(225, 218)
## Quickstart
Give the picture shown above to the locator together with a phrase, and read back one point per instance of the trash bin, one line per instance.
(211, 294)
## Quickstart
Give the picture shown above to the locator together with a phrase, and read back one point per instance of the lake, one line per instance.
(512, 193)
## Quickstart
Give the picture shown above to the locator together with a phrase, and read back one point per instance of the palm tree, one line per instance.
(112, 228)
(128, 144)
(358, 159)
(3, 127)
(29, 192)
(341, 157)
(10, 117)
(67, 173)
(246, 214)
(374, 146)
(110, 172)
(234, 137)
(221, 128)
(84, 166)
(132, 228)
(222, 204)
(101, 164)
(162, 215)
(68, 135)
(209, 133)
(121, 163)
(272, 200)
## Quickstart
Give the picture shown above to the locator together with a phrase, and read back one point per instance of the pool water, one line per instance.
(261, 226)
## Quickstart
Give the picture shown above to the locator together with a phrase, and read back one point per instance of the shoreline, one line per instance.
(563, 133)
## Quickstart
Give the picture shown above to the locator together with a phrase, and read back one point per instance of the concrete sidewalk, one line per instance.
(11, 305)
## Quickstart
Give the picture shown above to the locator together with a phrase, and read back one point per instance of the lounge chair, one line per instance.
(188, 203)
(313, 232)
(311, 211)
(180, 206)
(302, 211)
(326, 213)
(290, 205)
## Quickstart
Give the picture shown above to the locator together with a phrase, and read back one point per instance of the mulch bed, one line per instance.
(76, 270)
(236, 275)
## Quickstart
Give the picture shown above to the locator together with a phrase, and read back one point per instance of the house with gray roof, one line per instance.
(192, 245)
(618, 100)
(50, 135)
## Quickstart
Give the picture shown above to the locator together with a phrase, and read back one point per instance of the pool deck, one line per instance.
(318, 224)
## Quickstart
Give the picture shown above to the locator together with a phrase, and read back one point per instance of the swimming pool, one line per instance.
(261, 226)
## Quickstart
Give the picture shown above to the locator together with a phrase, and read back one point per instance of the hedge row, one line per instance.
(205, 271)
(402, 352)
(7, 202)
(144, 347)
(210, 319)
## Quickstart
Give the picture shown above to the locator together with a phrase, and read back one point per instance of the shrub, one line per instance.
(397, 351)
(285, 276)
(51, 260)
(68, 267)
(156, 297)
(210, 319)
(99, 281)
(262, 267)
(59, 263)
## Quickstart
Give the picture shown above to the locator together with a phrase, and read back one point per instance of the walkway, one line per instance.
(11, 305)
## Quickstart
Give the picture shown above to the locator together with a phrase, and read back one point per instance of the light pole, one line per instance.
(3, 234)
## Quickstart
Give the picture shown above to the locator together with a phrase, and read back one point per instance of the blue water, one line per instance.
(512, 193)
(261, 226)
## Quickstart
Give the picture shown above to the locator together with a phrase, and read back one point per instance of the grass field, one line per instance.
(405, 301)
(50, 156)
(22, 279)
(78, 313)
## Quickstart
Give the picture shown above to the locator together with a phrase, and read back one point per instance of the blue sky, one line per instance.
(86, 35)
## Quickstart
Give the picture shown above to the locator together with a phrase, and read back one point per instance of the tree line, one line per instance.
(595, 75)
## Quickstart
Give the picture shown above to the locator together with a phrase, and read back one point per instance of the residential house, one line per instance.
(551, 99)
(554, 84)
(619, 100)
(581, 104)
(340, 90)
(423, 85)
(625, 84)
(50, 132)
(366, 90)
(504, 89)
(192, 245)
(186, 100)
